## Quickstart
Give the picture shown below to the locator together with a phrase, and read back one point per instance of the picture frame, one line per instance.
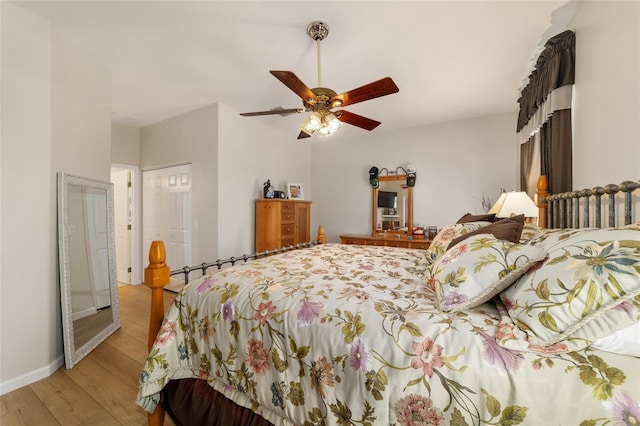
(294, 191)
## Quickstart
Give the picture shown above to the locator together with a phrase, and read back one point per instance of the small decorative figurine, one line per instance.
(268, 189)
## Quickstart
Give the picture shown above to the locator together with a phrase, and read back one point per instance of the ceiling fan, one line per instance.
(321, 101)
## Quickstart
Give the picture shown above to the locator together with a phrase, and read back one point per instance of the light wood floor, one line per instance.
(100, 389)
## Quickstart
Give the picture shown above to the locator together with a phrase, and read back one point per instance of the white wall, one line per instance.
(56, 116)
(249, 154)
(125, 145)
(190, 138)
(606, 113)
(457, 163)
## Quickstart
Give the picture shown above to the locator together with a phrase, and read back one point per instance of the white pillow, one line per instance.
(623, 342)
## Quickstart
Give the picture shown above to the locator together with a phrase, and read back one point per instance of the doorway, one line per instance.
(126, 197)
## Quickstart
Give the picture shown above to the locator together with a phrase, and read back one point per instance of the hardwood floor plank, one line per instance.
(15, 400)
(114, 395)
(134, 347)
(118, 364)
(69, 403)
(34, 413)
(104, 419)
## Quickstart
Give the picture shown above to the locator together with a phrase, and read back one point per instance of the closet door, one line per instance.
(166, 212)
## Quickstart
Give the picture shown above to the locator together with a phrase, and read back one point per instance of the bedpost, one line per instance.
(322, 239)
(156, 276)
(543, 192)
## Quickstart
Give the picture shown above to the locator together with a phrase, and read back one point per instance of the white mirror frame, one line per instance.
(72, 353)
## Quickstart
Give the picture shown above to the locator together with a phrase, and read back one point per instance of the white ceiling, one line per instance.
(450, 59)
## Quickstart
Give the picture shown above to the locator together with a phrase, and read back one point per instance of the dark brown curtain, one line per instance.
(554, 68)
(555, 149)
(527, 151)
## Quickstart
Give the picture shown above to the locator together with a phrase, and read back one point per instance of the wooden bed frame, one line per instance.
(555, 211)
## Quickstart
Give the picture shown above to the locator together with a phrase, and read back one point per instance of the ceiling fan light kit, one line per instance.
(320, 101)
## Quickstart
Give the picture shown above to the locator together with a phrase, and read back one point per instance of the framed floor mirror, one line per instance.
(86, 247)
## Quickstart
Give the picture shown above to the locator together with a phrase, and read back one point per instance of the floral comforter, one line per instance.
(350, 335)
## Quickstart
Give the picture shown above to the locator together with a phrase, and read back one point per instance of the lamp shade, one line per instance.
(514, 203)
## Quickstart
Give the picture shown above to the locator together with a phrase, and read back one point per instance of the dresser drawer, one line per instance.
(287, 229)
(285, 242)
(288, 207)
(419, 244)
(288, 217)
(396, 243)
(391, 241)
(355, 241)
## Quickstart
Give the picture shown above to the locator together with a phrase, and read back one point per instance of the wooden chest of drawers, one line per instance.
(281, 223)
(390, 241)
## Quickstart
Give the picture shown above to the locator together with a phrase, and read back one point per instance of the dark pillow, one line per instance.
(477, 218)
(509, 229)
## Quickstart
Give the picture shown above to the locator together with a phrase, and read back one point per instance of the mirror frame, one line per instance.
(374, 204)
(73, 354)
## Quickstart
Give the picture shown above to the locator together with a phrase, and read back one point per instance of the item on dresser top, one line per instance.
(267, 190)
(294, 191)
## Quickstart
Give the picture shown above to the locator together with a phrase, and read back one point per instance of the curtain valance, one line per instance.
(554, 68)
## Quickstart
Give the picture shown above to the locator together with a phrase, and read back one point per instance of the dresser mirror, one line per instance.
(86, 246)
(392, 206)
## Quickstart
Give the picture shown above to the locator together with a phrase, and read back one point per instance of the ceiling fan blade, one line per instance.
(292, 81)
(382, 87)
(357, 120)
(303, 135)
(280, 111)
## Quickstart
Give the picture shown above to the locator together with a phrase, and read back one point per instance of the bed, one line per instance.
(477, 329)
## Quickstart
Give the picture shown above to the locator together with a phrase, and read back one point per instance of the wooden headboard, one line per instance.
(583, 208)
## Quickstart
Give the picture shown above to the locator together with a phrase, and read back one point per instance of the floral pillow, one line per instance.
(530, 232)
(442, 239)
(588, 288)
(478, 268)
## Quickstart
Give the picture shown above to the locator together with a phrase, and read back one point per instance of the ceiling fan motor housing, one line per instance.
(323, 101)
(318, 30)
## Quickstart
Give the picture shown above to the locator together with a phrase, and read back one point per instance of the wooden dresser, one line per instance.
(281, 223)
(389, 241)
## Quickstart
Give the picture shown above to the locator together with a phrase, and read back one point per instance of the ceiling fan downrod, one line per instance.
(318, 31)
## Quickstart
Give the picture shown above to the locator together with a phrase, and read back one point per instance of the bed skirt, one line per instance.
(194, 402)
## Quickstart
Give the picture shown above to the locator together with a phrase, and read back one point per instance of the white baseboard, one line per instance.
(31, 377)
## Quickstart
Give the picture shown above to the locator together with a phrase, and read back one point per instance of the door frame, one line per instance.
(136, 221)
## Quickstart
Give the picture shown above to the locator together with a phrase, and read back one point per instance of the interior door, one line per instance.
(123, 217)
(166, 209)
